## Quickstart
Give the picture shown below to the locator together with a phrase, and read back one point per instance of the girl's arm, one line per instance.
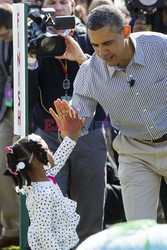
(70, 125)
(61, 155)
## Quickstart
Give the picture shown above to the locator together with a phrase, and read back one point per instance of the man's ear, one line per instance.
(127, 30)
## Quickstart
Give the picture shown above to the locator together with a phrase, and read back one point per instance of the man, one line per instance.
(123, 77)
(83, 177)
(8, 197)
(157, 21)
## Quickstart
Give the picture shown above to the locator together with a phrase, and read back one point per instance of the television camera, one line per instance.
(42, 40)
(146, 7)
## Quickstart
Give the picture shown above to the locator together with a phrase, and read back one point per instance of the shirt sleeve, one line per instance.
(83, 96)
(61, 155)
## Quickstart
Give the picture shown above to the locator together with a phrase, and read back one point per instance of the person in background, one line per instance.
(96, 3)
(122, 7)
(8, 197)
(81, 9)
(157, 21)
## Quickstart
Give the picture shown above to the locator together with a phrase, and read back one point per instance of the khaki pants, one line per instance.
(141, 165)
(8, 195)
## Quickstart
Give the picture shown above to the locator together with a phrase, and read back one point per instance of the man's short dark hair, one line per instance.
(5, 16)
(105, 15)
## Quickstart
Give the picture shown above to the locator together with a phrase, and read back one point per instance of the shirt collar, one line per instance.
(138, 56)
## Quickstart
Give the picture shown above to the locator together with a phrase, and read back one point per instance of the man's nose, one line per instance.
(57, 7)
(102, 51)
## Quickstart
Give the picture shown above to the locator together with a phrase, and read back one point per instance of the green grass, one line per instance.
(11, 248)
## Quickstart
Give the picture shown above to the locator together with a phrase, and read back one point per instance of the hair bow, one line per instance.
(24, 189)
(12, 171)
(34, 137)
(20, 166)
(9, 148)
(20, 190)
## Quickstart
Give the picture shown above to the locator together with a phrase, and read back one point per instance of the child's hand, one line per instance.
(69, 122)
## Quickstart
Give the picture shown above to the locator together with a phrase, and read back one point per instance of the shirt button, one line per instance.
(137, 93)
(152, 127)
(144, 110)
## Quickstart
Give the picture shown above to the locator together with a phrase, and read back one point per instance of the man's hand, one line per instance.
(31, 59)
(69, 121)
(73, 51)
(139, 25)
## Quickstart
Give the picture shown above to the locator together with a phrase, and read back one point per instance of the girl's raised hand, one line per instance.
(68, 120)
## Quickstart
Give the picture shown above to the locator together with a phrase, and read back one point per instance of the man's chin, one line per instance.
(110, 64)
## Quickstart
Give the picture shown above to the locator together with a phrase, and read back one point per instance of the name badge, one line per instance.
(66, 98)
(8, 97)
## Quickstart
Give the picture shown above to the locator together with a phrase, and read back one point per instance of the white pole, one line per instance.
(19, 69)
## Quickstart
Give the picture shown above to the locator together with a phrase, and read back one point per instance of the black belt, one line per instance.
(161, 139)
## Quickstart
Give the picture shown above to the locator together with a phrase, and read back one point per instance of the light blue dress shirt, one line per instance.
(138, 111)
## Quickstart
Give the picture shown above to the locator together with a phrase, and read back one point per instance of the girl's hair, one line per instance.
(22, 153)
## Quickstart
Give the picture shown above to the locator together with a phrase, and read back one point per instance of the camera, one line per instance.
(146, 7)
(42, 41)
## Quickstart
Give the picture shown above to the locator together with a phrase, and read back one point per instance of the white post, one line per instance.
(20, 75)
(20, 80)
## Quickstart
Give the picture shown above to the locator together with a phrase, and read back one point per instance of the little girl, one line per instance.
(53, 219)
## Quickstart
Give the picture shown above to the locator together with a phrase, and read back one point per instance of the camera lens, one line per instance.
(47, 44)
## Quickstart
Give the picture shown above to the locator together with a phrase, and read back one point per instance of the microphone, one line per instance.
(131, 81)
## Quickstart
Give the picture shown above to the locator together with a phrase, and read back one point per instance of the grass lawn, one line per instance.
(11, 248)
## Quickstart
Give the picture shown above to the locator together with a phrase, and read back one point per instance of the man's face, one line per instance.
(6, 34)
(84, 3)
(108, 45)
(62, 7)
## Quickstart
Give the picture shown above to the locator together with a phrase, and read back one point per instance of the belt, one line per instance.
(161, 139)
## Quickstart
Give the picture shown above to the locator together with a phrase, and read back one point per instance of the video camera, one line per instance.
(146, 7)
(42, 41)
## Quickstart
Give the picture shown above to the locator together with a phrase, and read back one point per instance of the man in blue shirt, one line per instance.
(127, 76)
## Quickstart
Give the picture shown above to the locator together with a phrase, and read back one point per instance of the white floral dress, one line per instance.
(53, 217)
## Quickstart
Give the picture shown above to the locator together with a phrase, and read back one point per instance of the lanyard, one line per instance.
(64, 67)
(66, 82)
